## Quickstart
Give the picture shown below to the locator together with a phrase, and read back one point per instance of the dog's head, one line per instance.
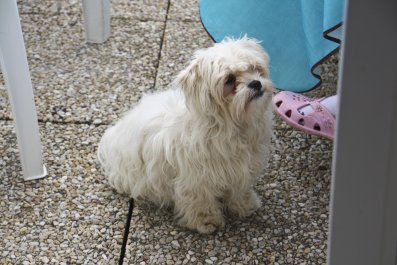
(229, 78)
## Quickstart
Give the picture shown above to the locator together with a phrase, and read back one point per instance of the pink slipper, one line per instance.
(320, 122)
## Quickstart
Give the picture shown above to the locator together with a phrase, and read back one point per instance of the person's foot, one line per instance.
(314, 116)
(330, 103)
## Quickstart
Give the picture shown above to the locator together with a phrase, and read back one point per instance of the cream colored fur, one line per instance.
(199, 146)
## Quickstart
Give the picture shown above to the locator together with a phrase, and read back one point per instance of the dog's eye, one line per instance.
(230, 80)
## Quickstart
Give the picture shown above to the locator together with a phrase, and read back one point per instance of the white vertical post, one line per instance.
(15, 70)
(363, 219)
(96, 20)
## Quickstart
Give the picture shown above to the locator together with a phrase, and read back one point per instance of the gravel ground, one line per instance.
(73, 216)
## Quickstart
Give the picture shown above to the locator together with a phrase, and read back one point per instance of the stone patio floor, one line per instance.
(73, 217)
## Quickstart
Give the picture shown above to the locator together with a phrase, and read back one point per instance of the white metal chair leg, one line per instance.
(15, 70)
(96, 20)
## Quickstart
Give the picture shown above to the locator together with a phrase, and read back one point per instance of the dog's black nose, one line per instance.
(256, 85)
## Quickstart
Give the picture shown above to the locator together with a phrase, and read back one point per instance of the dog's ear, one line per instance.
(190, 80)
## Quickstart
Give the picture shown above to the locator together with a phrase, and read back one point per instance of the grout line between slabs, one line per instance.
(161, 44)
(126, 231)
(131, 202)
(41, 121)
(74, 122)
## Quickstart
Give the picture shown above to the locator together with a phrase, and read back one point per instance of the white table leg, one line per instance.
(363, 220)
(15, 70)
(96, 20)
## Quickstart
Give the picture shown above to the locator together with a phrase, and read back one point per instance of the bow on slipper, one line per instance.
(319, 122)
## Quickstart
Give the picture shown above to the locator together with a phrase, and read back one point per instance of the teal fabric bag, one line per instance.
(297, 34)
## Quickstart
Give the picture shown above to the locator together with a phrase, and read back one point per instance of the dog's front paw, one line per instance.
(209, 224)
(244, 205)
(205, 223)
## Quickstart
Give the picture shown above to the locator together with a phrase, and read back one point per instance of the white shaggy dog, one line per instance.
(199, 146)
